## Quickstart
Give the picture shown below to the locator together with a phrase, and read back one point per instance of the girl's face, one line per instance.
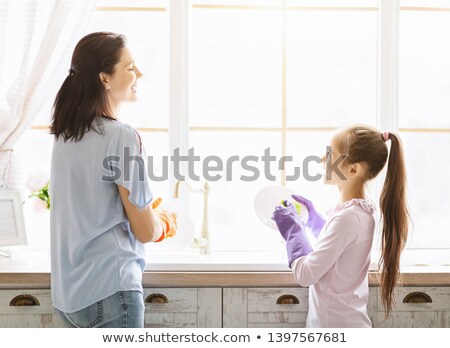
(336, 171)
(122, 84)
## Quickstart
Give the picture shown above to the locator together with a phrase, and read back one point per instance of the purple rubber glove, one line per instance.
(315, 220)
(293, 230)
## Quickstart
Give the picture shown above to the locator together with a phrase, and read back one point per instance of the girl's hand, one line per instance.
(315, 220)
(293, 230)
(285, 216)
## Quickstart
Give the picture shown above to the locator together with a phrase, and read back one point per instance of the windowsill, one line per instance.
(37, 259)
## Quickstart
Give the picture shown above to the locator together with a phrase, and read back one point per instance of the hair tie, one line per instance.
(386, 136)
(71, 72)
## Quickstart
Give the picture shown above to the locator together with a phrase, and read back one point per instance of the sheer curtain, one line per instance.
(37, 38)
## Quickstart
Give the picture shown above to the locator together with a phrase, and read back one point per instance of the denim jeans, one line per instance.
(123, 309)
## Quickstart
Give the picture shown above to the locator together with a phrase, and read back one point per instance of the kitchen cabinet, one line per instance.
(238, 307)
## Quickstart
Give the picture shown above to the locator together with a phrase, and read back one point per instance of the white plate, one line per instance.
(268, 198)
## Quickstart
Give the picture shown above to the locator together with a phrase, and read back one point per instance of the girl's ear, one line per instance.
(355, 169)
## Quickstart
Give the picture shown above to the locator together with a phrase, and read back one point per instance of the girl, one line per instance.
(336, 271)
(100, 214)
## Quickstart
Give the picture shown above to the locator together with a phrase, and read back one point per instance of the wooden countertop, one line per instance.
(222, 279)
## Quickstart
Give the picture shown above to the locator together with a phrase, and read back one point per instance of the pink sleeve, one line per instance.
(340, 231)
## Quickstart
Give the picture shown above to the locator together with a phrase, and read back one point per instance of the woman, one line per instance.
(336, 271)
(101, 213)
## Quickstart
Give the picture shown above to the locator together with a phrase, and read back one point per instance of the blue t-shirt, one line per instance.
(94, 254)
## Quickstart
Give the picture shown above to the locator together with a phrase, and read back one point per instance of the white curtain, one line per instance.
(37, 38)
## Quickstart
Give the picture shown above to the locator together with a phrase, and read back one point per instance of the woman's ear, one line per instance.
(104, 79)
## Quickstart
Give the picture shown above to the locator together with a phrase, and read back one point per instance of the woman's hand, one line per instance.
(168, 221)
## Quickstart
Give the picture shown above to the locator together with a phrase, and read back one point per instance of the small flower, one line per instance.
(43, 194)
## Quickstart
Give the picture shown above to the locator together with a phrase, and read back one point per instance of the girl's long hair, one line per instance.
(364, 144)
(82, 95)
(395, 221)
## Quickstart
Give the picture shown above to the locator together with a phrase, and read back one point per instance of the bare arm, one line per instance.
(145, 225)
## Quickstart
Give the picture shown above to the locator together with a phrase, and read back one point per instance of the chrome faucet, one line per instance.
(201, 243)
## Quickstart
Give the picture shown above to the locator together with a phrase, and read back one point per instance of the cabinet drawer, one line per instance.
(183, 307)
(30, 308)
(30, 301)
(419, 299)
(265, 307)
(277, 300)
(170, 300)
(277, 307)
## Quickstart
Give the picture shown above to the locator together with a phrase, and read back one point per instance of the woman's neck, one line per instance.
(114, 108)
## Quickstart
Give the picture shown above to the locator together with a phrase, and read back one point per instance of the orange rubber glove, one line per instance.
(168, 221)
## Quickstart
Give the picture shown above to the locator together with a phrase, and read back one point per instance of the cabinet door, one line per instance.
(372, 306)
(416, 307)
(27, 308)
(265, 307)
(183, 307)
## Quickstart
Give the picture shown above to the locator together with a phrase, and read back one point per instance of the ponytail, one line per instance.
(395, 218)
(82, 96)
(79, 100)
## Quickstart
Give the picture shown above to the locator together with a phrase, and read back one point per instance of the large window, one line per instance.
(282, 74)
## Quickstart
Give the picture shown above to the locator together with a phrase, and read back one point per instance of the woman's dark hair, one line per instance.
(82, 95)
(368, 145)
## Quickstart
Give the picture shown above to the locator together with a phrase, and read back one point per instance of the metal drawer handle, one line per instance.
(288, 299)
(24, 300)
(417, 297)
(156, 298)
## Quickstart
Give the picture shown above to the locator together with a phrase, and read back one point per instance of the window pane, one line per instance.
(45, 112)
(238, 2)
(35, 147)
(428, 187)
(424, 94)
(331, 67)
(156, 146)
(235, 67)
(132, 3)
(233, 223)
(333, 3)
(426, 3)
(147, 37)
